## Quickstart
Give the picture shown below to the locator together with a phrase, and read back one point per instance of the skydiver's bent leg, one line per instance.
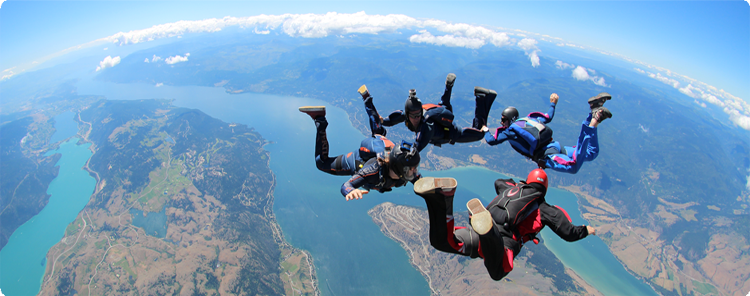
(445, 100)
(376, 123)
(484, 99)
(587, 149)
(341, 165)
(438, 195)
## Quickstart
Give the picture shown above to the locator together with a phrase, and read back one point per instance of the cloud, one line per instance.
(447, 40)
(156, 58)
(562, 65)
(108, 62)
(529, 47)
(177, 59)
(159, 84)
(146, 61)
(665, 80)
(582, 74)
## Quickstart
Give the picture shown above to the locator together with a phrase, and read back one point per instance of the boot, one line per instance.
(313, 111)
(429, 187)
(449, 80)
(363, 92)
(601, 113)
(481, 220)
(598, 100)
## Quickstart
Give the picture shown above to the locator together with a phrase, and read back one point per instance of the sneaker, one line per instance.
(430, 185)
(313, 111)
(598, 100)
(363, 91)
(481, 220)
(449, 80)
(602, 113)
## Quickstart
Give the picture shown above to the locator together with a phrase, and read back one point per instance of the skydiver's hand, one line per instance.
(356, 194)
(591, 230)
(553, 98)
(485, 129)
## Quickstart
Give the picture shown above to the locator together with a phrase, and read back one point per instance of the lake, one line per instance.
(28, 246)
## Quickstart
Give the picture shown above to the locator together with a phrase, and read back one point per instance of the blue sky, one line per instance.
(705, 40)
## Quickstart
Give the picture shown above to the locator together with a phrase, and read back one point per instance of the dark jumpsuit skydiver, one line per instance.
(346, 164)
(384, 172)
(434, 123)
(532, 138)
(487, 237)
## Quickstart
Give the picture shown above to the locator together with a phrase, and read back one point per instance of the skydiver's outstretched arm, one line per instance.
(367, 175)
(558, 220)
(394, 118)
(424, 135)
(500, 135)
(553, 98)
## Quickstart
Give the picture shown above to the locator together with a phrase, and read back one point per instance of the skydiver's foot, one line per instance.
(313, 111)
(601, 113)
(363, 91)
(481, 220)
(598, 100)
(481, 91)
(430, 185)
(450, 80)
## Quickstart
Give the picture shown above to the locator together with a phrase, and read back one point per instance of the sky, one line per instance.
(705, 40)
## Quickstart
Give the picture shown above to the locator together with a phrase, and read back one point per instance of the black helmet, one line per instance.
(403, 159)
(510, 115)
(412, 103)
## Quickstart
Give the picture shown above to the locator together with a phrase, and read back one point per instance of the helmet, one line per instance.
(412, 103)
(403, 160)
(510, 114)
(537, 176)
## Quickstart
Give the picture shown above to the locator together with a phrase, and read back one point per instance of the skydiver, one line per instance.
(531, 137)
(496, 233)
(345, 164)
(434, 123)
(378, 164)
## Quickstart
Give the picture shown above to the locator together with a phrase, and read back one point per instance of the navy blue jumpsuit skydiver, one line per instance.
(437, 126)
(348, 164)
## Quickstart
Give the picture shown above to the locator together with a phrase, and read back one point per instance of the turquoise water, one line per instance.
(65, 127)
(20, 269)
(352, 256)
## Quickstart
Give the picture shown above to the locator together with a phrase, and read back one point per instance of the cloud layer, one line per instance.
(108, 62)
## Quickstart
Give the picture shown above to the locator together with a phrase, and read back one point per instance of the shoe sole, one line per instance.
(481, 90)
(607, 113)
(312, 108)
(429, 185)
(362, 89)
(450, 79)
(481, 220)
(599, 99)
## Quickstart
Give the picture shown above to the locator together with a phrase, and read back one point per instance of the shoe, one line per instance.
(449, 80)
(481, 220)
(481, 90)
(601, 113)
(313, 111)
(363, 91)
(598, 100)
(430, 185)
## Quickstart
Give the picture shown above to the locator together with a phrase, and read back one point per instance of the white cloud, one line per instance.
(156, 58)
(529, 47)
(643, 128)
(146, 61)
(159, 84)
(108, 62)
(640, 71)
(665, 80)
(177, 59)
(562, 65)
(582, 74)
(446, 40)
(702, 104)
